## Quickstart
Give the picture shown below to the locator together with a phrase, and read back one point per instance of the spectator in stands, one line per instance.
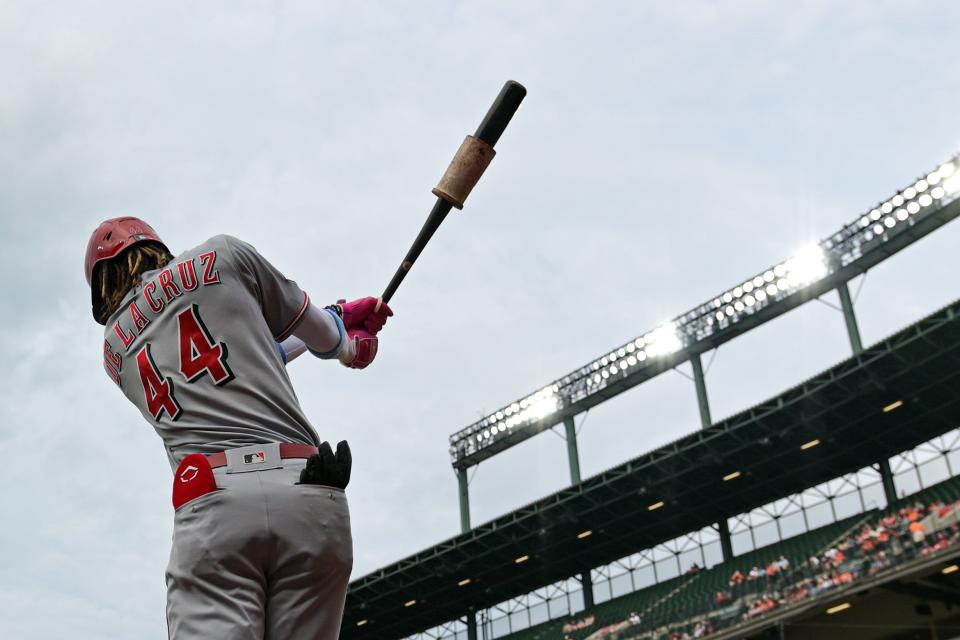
(772, 570)
(798, 592)
(722, 598)
(943, 510)
(941, 541)
(755, 573)
(783, 563)
(702, 628)
(917, 532)
(878, 563)
(737, 578)
(760, 606)
(634, 618)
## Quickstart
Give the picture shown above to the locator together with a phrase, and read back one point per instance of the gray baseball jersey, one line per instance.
(194, 347)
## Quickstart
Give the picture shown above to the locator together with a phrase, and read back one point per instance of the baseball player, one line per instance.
(261, 547)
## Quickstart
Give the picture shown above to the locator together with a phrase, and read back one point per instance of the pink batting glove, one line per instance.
(365, 346)
(368, 313)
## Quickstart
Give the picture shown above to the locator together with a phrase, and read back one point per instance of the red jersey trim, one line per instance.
(283, 335)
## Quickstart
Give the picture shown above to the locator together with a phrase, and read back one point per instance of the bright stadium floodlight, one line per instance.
(808, 265)
(919, 207)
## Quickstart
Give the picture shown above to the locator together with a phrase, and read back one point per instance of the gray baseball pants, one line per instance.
(261, 558)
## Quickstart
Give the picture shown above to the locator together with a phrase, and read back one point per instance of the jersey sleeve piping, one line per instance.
(283, 335)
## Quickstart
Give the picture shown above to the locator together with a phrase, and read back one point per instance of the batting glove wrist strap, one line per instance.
(333, 353)
(363, 346)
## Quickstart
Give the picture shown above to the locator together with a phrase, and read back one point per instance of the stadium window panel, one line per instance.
(692, 557)
(934, 471)
(667, 569)
(644, 576)
(713, 553)
(741, 542)
(519, 619)
(792, 525)
(765, 534)
(953, 460)
(907, 481)
(873, 495)
(847, 505)
(620, 585)
(500, 627)
(539, 613)
(819, 515)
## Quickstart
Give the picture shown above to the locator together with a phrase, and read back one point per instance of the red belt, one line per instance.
(287, 450)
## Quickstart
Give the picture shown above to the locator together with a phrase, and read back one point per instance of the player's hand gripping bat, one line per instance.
(462, 175)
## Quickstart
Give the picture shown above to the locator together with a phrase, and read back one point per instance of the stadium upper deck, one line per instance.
(832, 424)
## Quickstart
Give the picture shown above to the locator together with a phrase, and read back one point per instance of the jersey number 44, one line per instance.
(200, 355)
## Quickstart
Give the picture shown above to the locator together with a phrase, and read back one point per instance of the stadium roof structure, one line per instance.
(890, 397)
(919, 208)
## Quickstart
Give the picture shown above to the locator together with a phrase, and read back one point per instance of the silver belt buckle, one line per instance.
(255, 457)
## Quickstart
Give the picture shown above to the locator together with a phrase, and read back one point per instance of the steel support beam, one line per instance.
(573, 454)
(471, 626)
(701, 384)
(853, 332)
(464, 500)
(886, 477)
(850, 318)
(587, 583)
(726, 547)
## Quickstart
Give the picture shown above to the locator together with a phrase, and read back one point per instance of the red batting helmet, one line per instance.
(110, 239)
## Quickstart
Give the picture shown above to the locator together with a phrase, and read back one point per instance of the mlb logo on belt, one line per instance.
(258, 457)
(254, 458)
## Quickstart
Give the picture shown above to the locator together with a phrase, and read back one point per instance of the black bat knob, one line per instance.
(500, 113)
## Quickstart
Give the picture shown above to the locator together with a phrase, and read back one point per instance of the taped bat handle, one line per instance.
(500, 113)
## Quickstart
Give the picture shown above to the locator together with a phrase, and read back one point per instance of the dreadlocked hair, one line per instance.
(115, 277)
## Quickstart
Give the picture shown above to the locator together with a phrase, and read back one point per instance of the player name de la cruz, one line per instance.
(153, 296)
(170, 283)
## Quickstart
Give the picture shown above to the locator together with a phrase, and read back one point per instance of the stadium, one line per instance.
(827, 511)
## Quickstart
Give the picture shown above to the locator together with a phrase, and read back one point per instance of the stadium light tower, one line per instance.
(912, 212)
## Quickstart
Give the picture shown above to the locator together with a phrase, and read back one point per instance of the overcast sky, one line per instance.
(665, 152)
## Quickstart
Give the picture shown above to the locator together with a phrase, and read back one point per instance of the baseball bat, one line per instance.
(464, 171)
